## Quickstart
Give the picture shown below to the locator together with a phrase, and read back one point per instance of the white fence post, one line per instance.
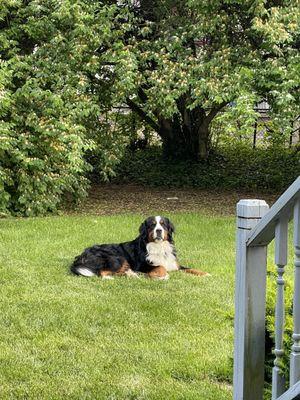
(250, 298)
(295, 355)
(281, 247)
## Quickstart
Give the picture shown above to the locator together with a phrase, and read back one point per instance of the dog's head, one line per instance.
(157, 229)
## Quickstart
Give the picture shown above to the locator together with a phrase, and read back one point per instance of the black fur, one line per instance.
(111, 257)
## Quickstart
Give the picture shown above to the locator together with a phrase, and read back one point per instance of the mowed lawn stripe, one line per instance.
(82, 338)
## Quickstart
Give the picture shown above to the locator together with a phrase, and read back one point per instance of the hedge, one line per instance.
(231, 167)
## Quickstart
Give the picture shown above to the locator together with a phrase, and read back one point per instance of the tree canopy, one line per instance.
(66, 68)
(180, 63)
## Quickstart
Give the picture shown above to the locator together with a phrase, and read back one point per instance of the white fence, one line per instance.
(257, 226)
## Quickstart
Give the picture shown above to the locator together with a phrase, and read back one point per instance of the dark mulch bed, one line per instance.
(124, 199)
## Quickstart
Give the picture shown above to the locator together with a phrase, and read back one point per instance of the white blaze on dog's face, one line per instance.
(159, 232)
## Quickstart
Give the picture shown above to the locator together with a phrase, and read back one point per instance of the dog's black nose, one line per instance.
(159, 231)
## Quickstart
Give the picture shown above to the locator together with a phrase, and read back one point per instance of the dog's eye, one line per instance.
(162, 223)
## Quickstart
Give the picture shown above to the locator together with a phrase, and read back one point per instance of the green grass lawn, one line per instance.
(68, 337)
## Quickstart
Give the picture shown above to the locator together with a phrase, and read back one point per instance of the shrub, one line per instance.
(47, 103)
(231, 167)
(38, 169)
(42, 142)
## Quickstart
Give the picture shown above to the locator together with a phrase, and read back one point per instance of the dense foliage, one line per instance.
(232, 167)
(68, 68)
(49, 116)
(42, 116)
(178, 64)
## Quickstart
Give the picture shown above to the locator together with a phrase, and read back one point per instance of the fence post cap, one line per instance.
(251, 208)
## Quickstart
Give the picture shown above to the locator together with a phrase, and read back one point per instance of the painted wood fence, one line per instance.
(257, 226)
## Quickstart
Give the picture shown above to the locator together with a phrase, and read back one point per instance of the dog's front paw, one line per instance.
(131, 274)
(158, 273)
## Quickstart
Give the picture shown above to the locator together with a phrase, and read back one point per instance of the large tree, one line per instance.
(178, 64)
(67, 67)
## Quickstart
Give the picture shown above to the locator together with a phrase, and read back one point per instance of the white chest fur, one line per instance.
(161, 253)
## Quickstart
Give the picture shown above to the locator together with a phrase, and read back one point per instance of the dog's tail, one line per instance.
(193, 271)
(78, 268)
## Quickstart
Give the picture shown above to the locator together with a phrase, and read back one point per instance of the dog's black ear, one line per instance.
(143, 230)
(171, 228)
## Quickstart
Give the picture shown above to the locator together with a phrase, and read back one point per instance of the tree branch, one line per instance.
(214, 111)
(142, 95)
(142, 114)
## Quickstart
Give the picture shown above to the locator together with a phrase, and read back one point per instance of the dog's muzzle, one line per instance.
(158, 235)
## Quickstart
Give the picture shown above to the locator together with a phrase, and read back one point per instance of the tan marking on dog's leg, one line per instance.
(106, 274)
(126, 270)
(158, 273)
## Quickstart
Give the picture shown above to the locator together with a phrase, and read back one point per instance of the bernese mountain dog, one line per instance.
(152, 253)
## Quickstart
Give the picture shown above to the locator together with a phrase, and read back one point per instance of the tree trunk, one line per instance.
(185, 136)
(203, 147)
(204, 140)
(182, 142)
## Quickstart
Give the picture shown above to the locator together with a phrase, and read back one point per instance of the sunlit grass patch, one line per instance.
(71, 337)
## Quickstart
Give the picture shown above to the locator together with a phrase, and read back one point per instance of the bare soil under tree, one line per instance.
(123, 199)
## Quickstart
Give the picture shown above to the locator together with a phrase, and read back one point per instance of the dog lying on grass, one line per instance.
(152, 253)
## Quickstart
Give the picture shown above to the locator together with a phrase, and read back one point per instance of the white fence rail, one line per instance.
(257, 226)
